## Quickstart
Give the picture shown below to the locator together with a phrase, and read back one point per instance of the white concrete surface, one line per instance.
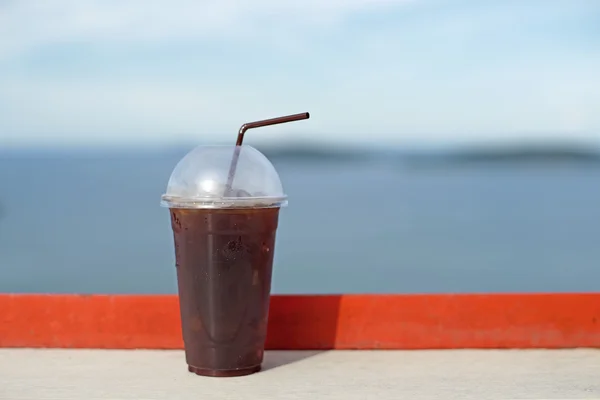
(381, 375)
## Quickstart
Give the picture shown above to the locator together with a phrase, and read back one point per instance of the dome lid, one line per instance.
(200, 180)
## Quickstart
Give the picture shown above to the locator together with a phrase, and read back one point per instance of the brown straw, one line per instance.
(240, 139)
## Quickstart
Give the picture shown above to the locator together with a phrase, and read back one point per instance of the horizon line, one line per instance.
(307, 145)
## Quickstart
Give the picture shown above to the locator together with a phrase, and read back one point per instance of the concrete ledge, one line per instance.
(447, 374)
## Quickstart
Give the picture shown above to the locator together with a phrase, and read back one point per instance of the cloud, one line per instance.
(28, 24)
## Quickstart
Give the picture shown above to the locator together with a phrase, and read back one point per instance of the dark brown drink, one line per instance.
(224, 261)
(224, 251)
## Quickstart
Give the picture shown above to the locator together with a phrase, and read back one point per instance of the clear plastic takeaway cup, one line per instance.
(224, 246)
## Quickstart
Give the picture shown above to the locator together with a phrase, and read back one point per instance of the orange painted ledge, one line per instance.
(314, 322)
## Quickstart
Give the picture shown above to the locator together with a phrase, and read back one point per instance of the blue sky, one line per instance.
(112, 72)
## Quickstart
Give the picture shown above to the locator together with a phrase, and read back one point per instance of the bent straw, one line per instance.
(240, 139)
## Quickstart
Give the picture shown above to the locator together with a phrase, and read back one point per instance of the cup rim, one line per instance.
(169, 201)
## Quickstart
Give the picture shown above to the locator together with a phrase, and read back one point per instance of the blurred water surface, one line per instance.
(91, 223)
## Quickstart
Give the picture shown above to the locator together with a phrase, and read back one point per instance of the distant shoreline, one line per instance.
(465, 155)
(318, 153)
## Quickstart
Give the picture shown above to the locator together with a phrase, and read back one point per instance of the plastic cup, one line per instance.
(224, 246)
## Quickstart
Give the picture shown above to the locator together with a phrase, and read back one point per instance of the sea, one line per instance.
(82, 221)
